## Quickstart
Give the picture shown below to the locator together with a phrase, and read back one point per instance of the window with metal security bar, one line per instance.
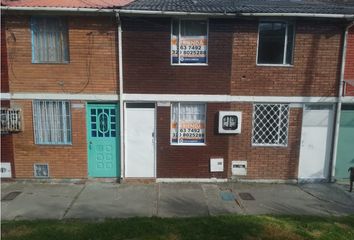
(49, 40)
(270, 124)
(11, 120)
(52, 122)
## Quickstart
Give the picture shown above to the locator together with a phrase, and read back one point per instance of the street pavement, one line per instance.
(97, 200)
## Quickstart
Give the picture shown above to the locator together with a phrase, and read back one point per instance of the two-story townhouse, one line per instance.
(208, 90)
(195, 71)
(63, 75)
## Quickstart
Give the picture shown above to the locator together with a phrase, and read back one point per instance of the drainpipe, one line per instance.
(121, 103)
(339, 105)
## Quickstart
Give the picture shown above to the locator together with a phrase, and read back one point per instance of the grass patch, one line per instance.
(203, 228)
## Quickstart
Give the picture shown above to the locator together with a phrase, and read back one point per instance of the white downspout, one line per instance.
(339, 104)
(121, 100)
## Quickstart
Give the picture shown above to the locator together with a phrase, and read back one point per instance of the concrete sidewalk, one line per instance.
(95, 200)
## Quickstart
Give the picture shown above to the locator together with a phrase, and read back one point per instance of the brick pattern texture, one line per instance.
(266, 162)
(147, 59)
(190, 161)
(7, 150)
(65, 161)
(4, 66)
(316, 67)
(231, 70)
(349, 65)
(92, 52)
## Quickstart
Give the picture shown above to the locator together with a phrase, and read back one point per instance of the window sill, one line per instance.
(190, 64)
(189, 144)
(270, 145)
(274, 65)
(54, 145)
(52, 63)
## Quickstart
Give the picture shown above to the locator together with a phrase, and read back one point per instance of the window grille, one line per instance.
(270, 124)
(11, 120)
(49, 40)
(52, 122)
(41, 170)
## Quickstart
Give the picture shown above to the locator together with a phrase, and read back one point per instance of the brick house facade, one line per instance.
(231, 70)
(92, 69)
(279, 103)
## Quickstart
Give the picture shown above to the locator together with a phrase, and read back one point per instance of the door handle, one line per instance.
(90, 145)
(153, 137)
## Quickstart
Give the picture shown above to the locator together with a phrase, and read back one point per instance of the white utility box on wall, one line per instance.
(6, 170)
(230, 122)
(239, 168)
(216, 164)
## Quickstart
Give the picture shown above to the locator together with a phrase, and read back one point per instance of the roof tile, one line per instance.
(66, 3)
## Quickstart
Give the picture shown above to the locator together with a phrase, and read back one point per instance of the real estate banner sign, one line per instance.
(193, 49)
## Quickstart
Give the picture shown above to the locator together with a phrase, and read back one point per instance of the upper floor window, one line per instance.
(189, 42)
(275, 43)
(49, 40)
(52, 122)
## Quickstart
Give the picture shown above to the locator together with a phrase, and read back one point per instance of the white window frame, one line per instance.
(35, 131)
(284, 64)
(287, 128)
(179, 37)
(65, 42)
(205, 120)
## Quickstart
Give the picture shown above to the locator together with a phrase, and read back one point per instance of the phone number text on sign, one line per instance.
(192, 50)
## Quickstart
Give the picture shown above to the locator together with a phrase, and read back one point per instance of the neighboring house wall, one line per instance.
(65, 161)
(4, 65)
(6, 139)
(92, 69)
(349, 65)
(92, 58)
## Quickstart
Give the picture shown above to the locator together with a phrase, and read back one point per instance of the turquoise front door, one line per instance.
(103, 140)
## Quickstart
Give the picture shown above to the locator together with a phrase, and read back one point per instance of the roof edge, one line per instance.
(173, 13)
(228, 14)
(60, 9)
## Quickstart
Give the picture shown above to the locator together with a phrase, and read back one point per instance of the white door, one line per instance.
(140, 140)
(316, 141)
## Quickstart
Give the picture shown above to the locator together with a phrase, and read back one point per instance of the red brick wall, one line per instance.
(193, 161)
(147, 59)
(65, 161)
(92, 53)
(6, 148)
(7, 151)
(190, 161)
(316, 67)
(4, 70)
(349, 65)
(266, 162)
